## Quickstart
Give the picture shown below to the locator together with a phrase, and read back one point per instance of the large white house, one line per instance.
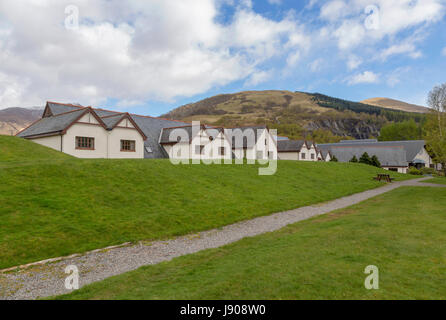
(86, 132)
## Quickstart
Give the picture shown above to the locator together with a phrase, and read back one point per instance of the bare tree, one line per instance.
(435, 128)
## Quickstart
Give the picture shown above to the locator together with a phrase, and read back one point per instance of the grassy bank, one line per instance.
(402, 232)
(439, 180)
(51, 208)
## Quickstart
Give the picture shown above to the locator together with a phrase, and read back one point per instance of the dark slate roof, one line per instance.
(167, 137)
(412, 148)
(58, 108)
(387, 155)
(52, 124)
(110, 122)
(152, 129)
(105, 113)
(290, 145)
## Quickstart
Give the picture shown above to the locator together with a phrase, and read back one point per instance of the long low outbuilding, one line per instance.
(393, 155)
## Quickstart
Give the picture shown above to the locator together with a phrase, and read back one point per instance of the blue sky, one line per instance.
(150, 57)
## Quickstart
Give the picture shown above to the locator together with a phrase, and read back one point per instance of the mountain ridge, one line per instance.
(14, 119)
(395, 104)
(294, 114)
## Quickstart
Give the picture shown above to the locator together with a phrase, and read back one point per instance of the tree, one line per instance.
(375, 162)
(400, 131)
(435, 127)
(365, 159)
(354, 159)
(334, 159)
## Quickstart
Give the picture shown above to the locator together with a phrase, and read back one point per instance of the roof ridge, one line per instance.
(66, 104)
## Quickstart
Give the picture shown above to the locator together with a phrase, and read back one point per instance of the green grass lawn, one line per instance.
(402, 232)
(439, 180)
(52, 208)
(17, 150)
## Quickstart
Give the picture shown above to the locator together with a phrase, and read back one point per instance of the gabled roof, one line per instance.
(167, 138)
(290, 145)
(58, 118)
(55, 108)
(57, 124)
(152, 129)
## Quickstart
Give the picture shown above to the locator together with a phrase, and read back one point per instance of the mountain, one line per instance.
(396, 105)
(12, 120)
(294, 114)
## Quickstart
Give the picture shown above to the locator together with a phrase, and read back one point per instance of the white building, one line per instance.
(85, 132)
(297, 150)
(393, 155)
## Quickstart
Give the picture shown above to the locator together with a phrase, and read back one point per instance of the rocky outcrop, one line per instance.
(358, 129)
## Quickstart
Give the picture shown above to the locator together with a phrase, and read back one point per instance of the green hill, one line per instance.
(53, 208)
(294, 114)
(18, 149)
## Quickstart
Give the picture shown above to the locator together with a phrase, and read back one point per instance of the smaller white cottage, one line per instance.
(196, 142)
(297, 150)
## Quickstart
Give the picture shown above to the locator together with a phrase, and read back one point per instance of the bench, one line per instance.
(385, 177)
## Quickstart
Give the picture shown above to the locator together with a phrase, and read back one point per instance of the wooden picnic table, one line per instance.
(385, 177)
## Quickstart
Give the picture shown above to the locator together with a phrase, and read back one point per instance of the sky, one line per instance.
(151, 56)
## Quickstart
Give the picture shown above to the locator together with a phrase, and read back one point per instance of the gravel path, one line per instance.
(48, 279)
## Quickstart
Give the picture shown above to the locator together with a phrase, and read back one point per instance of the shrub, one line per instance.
(415, 171)
(334, 159)
(354, 160)
(375, 162)
(428, 171)
(365, 159)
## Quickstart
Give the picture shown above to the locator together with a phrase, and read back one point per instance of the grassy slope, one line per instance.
(439, 180)
(402, 232)
(53, 209)
(18, 150)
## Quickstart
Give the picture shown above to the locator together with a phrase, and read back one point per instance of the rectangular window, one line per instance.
(84, 143)
(222, 151)
(312, 156)
(128, 145)
(303, 155)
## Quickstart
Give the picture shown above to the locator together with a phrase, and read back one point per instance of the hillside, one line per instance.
(294, 114)
(396, 105)
(54, 208)
(12, 120)
(14, 149)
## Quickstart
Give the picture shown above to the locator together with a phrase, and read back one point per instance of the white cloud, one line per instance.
(258, 78)
(394, 77)
(348, 22)
(334, 10)
(277, 2)
(134, 50)
(353, 62)
(444, 51)
(293, 59)
(365, 77)
(402, 48)
(316, 65)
